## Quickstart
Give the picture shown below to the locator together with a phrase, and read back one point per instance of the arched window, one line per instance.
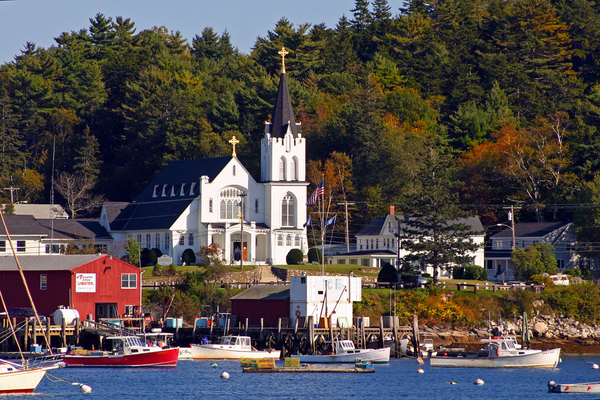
(282, 169)
(288, 210)
(294, 170)
(230, 204)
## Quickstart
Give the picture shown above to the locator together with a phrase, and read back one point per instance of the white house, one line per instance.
(376, 244)
(559, 234)
(194, 203)
(328, 297)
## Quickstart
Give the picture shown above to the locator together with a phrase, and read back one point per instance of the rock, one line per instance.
(539, 328)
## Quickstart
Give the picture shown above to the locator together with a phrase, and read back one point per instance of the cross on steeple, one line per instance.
(234, 141)
(283, 53)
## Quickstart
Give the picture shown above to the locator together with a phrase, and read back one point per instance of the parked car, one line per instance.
(560, 279)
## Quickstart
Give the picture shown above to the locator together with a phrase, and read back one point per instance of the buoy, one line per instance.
(420, 370)
(451, 383)
(595, 366)
(84, 388)
(478, 381)
(225, 375)
(420, 360)
(214, 365)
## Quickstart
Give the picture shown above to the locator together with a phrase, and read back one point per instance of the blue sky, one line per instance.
(40, 21)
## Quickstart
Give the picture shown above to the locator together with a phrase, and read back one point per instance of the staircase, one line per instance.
(264, 275)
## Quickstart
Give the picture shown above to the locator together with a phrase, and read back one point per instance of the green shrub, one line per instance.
(294, 257)
(474, 272)
(188, 257)
(314, 255)
(154, 254)
(145, 257)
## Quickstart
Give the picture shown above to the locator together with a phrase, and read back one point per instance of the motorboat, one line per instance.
(231, 347)
(585, 387)
(16, 378)
(128, 351)
(499, 352)
(343, 351)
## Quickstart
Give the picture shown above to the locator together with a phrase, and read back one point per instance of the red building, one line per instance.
(269, 302)
(100, 285)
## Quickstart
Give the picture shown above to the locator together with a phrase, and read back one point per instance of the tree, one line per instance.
(534, 260)
(133, 251)
(436, 232)
(211, 261)
(76, 191)
(587, 220)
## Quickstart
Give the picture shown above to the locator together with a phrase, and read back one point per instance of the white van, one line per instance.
(560, 279)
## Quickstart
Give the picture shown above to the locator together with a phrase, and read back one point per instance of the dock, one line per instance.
(309, 369)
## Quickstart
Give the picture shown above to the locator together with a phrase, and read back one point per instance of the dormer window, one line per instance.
(173, 191)
(192, 188)
(234, 170)
(182, 192)
(164, 190)
(154, 191)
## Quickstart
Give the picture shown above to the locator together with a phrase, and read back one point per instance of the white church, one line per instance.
(194, 203)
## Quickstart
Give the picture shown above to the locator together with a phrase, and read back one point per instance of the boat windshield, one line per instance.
(133, 341)
(228, 340)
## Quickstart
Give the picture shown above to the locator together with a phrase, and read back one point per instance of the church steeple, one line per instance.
(283, 114)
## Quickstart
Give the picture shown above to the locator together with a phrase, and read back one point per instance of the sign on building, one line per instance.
(85, 283)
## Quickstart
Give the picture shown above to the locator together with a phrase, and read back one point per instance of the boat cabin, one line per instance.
(241, 342)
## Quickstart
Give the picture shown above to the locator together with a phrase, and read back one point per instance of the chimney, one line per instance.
(392, 210)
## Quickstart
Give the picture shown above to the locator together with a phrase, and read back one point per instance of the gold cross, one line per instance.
(283, 53)
(234, 141)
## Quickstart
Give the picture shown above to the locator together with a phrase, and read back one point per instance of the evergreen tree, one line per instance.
(436, 233)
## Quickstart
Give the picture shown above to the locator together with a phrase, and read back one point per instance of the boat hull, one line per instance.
(372, 355)
(541, 359)
(587, 387)
(157, 358)
(21, 380)
(215, 351)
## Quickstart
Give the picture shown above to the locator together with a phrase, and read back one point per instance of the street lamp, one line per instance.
(512, 228)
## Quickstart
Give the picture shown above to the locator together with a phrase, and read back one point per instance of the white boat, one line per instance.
(585, 387)
(231, 347)
(185, 353)
(499, 352)
(14, 378)
(343, 351)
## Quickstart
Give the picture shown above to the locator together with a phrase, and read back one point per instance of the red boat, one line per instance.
(130, 351)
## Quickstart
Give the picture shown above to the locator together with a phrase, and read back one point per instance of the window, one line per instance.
(164, 190)
(139, 239)
(353, 261)
(230, 206)
(157, 240)
(294, 170)
(2, 245)
(181, 240)
(167, 241)
(182, 192)
(297, 241)
(191, 239)
(342, 261)
(490, 264)
(282, 169)
(129, 310)
(128, 281)
(192, 188)
(55, 249)
(364, 262)
(148, 243)
(288, 240)
(154, 191)
(279, 240)
(288, 211)
(43, 282)
(256, 206)
(234, 170)
(210, 205)
(20, 245)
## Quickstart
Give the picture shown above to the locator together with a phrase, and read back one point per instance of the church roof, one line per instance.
(283, 113)
(167, 196)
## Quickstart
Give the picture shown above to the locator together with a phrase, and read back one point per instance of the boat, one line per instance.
(499, 352)
(23, 377)
(15, 378)
(128, 351)
(343, 351)
(586, 387)
(231, 347)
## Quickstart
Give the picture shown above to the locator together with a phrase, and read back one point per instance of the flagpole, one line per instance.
(323, 229)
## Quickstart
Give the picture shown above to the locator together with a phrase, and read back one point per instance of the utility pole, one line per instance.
(12, 191)
(242, 195)
(347, 233)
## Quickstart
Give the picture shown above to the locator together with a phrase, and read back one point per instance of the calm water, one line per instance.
(398, 379)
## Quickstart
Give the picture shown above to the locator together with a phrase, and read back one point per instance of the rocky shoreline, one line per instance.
(546, 331)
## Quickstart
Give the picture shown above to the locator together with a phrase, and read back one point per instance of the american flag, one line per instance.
(319, 191)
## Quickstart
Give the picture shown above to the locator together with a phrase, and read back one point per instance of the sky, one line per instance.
(40, 21)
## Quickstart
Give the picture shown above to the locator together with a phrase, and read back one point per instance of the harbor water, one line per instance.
(194, 379)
